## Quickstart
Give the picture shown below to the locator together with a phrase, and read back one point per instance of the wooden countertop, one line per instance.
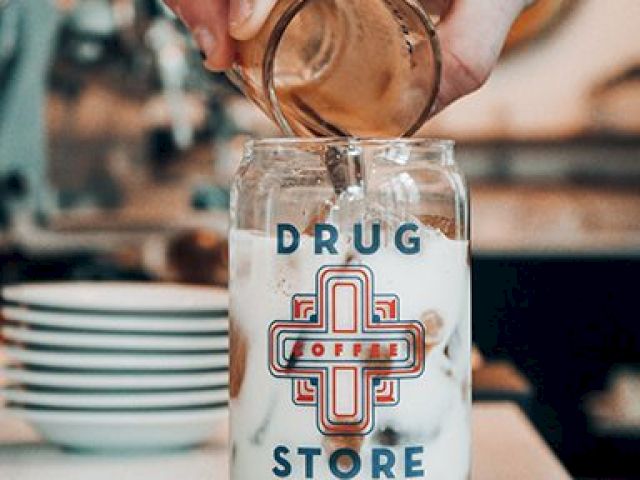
(506, 447)
(554, 219)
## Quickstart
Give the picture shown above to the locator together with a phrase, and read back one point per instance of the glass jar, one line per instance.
(350, 318)
(361, 68)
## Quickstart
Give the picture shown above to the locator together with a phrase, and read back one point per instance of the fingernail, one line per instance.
(240, 12)
(205, 40)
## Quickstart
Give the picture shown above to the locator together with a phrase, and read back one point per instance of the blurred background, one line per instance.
(117, 152)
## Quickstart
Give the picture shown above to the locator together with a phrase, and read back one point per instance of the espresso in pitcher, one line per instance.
(368, 68)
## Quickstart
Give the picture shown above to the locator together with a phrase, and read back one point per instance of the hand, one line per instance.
(216, 23)
(472, 34)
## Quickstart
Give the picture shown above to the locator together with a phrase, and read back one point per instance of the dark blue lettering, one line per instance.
(283, 469)
(412, 246)
(412, 466)
(383, 461)
(309, 453)
(358, 239)
(334, 462)
(284, 228)
(329, 243)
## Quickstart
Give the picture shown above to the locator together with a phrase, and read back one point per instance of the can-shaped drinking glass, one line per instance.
(350, 311)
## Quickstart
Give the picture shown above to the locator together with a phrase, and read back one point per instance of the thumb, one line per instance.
(246, 17)
(472, 36)
(208, 21)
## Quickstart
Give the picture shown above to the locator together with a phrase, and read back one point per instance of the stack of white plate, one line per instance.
(117, 366)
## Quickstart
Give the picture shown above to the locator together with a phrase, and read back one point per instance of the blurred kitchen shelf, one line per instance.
(161, 211)
(579, 139)
(585, 159)
(555, 219)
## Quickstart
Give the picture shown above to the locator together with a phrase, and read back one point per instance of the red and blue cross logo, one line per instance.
(346, 350)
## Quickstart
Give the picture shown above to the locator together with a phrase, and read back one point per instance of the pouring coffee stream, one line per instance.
(343, 68)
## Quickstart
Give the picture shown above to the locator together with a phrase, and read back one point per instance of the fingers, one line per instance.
(208, 20)
(472, 36)
(247, 17)
(436, 7)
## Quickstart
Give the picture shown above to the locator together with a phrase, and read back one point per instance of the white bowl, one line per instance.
(109, 381)
(116, 323)
(95, 340)
(117, 361)
(124, 432)
(113, 401)
(119, 297)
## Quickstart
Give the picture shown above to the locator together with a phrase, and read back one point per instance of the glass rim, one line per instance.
(417, 151)
(435, 144)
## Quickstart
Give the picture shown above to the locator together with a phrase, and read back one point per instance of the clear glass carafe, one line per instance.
(361, 68)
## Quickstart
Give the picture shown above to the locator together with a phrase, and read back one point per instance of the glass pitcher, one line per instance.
(364, 68)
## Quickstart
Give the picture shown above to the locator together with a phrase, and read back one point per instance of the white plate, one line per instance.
(119, 296)
(116, 323)
(118, 361)
(124, 432)
(92, 380)
(116, 341)
(114, 400)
